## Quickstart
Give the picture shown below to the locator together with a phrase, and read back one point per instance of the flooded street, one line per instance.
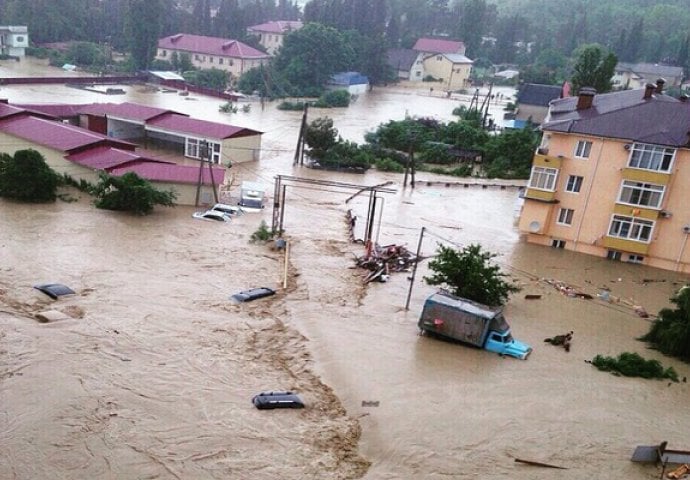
(152, 374)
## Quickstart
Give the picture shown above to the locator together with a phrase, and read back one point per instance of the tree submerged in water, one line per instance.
(633, 365)
(130, 193)
(468, 273)
(670, 332)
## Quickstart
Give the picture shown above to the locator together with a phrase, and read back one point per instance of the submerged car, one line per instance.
(253, 294)
(270, 400)
(212, 215)
(227, 209)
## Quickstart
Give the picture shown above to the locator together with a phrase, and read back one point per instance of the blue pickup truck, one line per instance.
(472, 323)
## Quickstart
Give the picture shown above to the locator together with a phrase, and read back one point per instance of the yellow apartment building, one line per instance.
(611, 178)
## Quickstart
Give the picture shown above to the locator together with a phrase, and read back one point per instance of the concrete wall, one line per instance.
(241, 149)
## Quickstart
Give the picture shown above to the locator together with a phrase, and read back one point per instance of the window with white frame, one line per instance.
(642, 194)
(565, 216)
(631, 228)
(583, 148)
(193, 149)
(651, 157)
(543, 178)
(574, 184)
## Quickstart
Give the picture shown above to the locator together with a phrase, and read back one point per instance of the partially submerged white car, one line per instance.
(227, 209)
(214, 215)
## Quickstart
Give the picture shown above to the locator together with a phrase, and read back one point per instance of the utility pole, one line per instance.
(299, 151)
(414, 269)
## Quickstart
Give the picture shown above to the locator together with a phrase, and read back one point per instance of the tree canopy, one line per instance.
(26, 177)
(130, 193)
(469, 273)
(594, 67)
(670, 332)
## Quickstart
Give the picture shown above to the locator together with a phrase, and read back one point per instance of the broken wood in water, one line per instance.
(539, 464)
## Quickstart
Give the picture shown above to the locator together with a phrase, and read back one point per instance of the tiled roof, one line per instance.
(280, 26)
(210, 46)
(106, 157)
(163, 172)
(437, 45)
(126, 110)
(59, 136)
(650, 69)
(202, 128)
(537, 94)
(626, 115)
(402, 58)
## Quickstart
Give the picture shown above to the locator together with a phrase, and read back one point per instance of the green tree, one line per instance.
(210, 78)
(509, 155)
(321, 136)
(130, 193)
(308, 58)
(143, 28)
(468, 273)
(594, 67)
(670, 332)
(26, 177)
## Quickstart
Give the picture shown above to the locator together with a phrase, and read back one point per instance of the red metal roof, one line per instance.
(59, 136)
(435, 45)
(56, 110)
(126, 110)
(221, 47)
(163, 172)
(202, 128)
(105, 157)
(280, 26)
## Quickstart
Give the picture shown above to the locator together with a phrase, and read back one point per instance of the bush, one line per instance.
(291, 106)
(130, 193)
(388, 165)
(633, 365)
(27, 177)
(334, 98)
(262, 234)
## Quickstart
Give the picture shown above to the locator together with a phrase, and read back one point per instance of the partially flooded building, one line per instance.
(611, 178)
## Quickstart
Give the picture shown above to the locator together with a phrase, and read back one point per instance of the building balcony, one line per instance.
(624, 245)
(637, 211)
(646, 176)
(548, 161)
(540, 195)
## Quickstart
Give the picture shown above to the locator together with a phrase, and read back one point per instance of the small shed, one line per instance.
(354, 82)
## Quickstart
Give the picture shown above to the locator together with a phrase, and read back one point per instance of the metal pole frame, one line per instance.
(414, 269)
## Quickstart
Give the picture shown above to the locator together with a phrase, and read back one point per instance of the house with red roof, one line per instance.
(206, 53)
(81, 153)
(272, 34)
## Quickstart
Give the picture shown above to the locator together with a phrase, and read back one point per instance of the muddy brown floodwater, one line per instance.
(152, 373)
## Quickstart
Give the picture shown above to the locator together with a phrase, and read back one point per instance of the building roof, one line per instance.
(278, 26)
(537, 94)
(457, 58)
(437, 45)
(402, 58)
(126, 110)
(52, 110)
(201, 128)
(165, 75)
(172, 173)
(348, 78)
(106, 157)
(627, 115)
(648, 70)
(221, 47)
(56, 135)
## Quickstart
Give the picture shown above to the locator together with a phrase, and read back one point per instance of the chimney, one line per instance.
(649, 90)
(585, 98)
(660, 82)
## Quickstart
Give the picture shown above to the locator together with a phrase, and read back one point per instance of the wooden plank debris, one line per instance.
(539, 464)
